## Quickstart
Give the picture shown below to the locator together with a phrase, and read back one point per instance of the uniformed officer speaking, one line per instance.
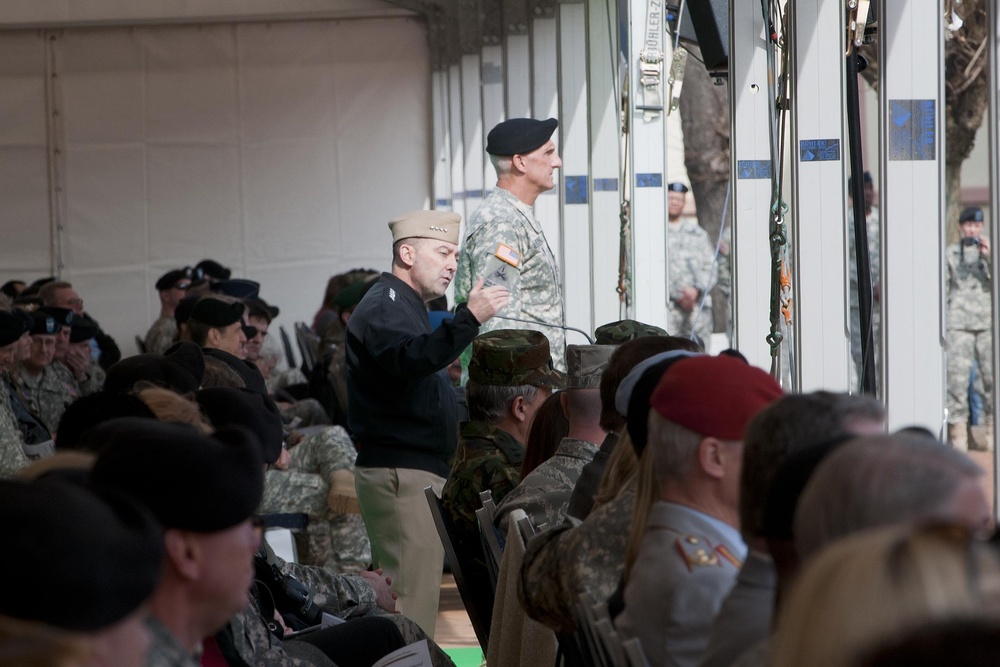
(401, 407)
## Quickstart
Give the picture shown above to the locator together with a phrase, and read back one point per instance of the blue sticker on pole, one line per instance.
(912, 130)
(753, 169)
(819, 150)
(576, 189)
(649, 180)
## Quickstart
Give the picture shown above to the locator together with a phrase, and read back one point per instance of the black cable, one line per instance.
(862, 260)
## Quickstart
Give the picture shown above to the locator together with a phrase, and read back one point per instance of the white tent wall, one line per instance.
(279, 149)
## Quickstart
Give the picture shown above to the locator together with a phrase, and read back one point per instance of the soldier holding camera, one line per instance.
(969, 326)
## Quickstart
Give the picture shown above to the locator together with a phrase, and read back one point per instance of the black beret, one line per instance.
(180, 369)
(10, 287)
(33, 288)
(188, 480)
(182, 313)
(211, 268)
(217, 313)
(63, 316)
(82, 330)
(238, 288)
(12, 327)
(24, 316)
(227, 406)
(171, 278)
(247, 370)
(677, 187)
(518, 136)
(971, 214)
(96, 557)
(42, 323)
(83, 414)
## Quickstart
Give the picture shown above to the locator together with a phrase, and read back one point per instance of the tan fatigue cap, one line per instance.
(585, 364)
(440, 225)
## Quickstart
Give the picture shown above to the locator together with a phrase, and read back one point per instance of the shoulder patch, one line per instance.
(695, 552)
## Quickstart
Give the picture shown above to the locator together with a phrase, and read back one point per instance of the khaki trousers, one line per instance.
(404, 540)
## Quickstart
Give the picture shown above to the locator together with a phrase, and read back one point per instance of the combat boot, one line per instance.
(958, 436)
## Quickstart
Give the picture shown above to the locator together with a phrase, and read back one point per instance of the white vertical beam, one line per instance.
(440, 142)
(545, 104)
(993, 117)
(912, 150)
(456, 140)
(647, 186)
(822, 338)
(576, 158)
(602, 60)
(750, 158)
(472, 132)
(492, 76)
(518, 76)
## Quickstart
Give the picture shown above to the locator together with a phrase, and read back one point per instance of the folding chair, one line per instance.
(491, 545)
(286, 343)
(634, 654)
(442, 521)
(308, 346)
(140, 344)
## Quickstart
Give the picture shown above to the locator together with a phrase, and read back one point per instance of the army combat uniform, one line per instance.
(503, 218)
(970, 335)
(690, 265)
(47, 394)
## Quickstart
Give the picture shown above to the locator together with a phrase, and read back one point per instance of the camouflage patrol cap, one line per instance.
(512, 357)
(622, 331)
(585, 364)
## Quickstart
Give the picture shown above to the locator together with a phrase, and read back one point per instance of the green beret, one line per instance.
(616, 333)
(513, 357)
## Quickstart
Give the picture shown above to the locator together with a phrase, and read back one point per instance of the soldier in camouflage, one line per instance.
(544, 494)
(42, 389)
(320, 482)
(77, 367)
(172, 286)
(970, 336)
(525, 158)
(12, 457)
(690, 256)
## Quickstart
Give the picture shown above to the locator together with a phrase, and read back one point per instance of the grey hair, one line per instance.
(792, 423)
(489, 403)
(877, 481)
(503, 164)
(673, 446)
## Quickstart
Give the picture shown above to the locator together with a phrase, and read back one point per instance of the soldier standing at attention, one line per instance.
(503, 234)
(969, 325)
(690, 260)
(402, 409)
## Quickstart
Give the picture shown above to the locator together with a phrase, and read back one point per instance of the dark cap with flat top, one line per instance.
(519, 136)
(971, 214)
(216, 312)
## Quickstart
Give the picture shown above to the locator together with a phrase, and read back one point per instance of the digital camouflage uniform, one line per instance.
(320, 482)
(969, 328)
(12, 457)
(47, 394)
(544, 494)
(488, 458)
(165, 650)
(690, 265)
(161, 335)
(575, 558)
(503, 218)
